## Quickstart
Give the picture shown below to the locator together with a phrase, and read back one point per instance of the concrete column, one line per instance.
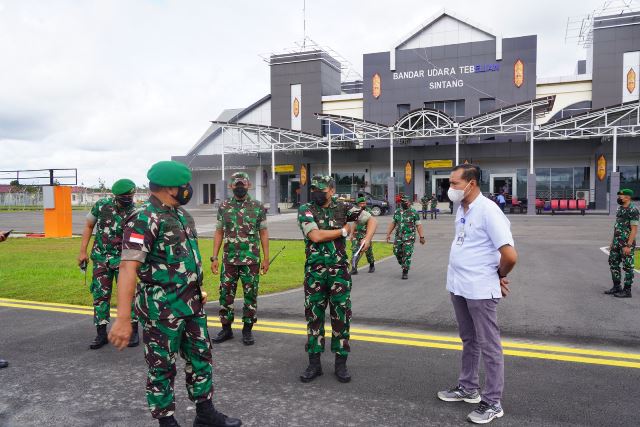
(391, 193)
(614, 179)
(531, 194)
(273, 197)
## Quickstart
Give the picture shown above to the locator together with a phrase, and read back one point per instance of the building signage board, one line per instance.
(438, 164)
(284, 168)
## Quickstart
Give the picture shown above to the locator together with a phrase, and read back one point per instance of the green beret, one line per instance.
(625, 192)
(168, 173)
(361, 200)
(240, 177)
(321, 182)
(123, 186)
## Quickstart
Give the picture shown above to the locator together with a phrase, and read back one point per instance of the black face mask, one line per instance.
(620, 201)
(319, 197)
(240, 191)
(405, 205)
(124, 200)
(185, 192)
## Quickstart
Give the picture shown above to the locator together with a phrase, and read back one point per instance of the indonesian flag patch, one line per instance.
(136, 238)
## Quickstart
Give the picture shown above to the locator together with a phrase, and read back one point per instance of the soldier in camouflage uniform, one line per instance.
(242, 224)
(358, 232)
(160, 246)
(425, 205)
(623, 245)
(324, 224)
(434, 206)
(107, 216)
(406, 222)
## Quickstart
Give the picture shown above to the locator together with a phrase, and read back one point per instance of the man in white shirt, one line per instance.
(482, 254)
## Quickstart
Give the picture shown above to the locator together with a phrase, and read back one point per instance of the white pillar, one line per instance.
(329, 146)
(457, 143)
(533, 124)
(391, 182)
(615, 150)
(273, 162)
(391, 151)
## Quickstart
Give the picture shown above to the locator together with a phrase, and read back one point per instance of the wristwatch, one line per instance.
(344, 232)
(213, 258)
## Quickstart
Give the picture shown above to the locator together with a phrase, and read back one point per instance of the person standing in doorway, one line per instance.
(502, 202)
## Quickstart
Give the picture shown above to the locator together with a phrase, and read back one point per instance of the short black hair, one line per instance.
(469, 172)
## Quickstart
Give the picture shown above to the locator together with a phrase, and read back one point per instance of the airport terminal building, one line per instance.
(449, 91)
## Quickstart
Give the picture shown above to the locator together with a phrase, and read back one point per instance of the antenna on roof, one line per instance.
(304, 23)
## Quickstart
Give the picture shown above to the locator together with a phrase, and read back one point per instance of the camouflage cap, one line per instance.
(321, 182)
(361, 200)
(625, 192)
(123, 186)
(169, 173)
(240, 177)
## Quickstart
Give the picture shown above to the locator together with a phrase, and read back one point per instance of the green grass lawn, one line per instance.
(46, 269)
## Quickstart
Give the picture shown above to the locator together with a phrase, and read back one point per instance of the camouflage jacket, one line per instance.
(425, 202)
(406, 221)
(361, 227)
(165, 240)
(241, 222)
(109, 218)
(625, 218)
(434, 202)
(333, 217)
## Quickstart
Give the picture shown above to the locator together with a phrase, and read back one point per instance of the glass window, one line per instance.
(487, 104)
(521, 177)
(543, 183)
(403, 109)
(561, 183)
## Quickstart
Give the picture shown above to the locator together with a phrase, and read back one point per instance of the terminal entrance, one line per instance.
(503, 183)
(440, 186)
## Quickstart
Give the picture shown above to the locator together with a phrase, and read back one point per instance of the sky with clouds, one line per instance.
(110, 87)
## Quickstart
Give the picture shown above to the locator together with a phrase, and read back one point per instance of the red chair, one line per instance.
(539, 206)
(582, 205)
(562, 205)
(573, 205)
(554, 206)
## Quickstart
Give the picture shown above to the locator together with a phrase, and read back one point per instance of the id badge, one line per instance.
(460, 239)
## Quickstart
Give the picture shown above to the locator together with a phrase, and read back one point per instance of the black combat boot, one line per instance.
(372, 268)
(624, 293)
(313, 370)
(134, 340)
(615, 289)
(100, 339)
(247, 336)
(354, 271)
(206, 416)
(168, 422)
(225, 334)
(405, 273)
(342, 373)
(3, 363)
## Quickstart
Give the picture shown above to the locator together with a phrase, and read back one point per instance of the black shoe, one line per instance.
(225, 334)
(100, 339)
(135, 339)
(616, 288)
(354, 271)
(247, 336)
(341, 371)
(168, 422)
(313, 370)
(3, 363)
(625, 293)
(207, 416)
(372, 268)
(405, 274)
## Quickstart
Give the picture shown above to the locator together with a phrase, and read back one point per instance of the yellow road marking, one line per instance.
(389, 337)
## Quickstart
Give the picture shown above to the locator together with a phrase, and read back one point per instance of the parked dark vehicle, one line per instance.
(377, 206)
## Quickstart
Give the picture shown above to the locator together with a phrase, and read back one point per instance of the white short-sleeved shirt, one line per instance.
(474, 257)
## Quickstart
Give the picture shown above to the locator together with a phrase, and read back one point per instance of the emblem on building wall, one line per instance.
(518, 73)
(303, 175)
(376, 85)
(408, 172)
(296, 107)
(601, 167)
(631, 80)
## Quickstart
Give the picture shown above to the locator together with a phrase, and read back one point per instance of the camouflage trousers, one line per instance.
(403, 250)
(229, 276)
(101, 288)
(355, 244)
(616, 257)
(425, 210)
(163, 339)
(327, 285)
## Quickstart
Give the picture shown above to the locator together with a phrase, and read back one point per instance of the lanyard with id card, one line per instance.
(460, 238)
